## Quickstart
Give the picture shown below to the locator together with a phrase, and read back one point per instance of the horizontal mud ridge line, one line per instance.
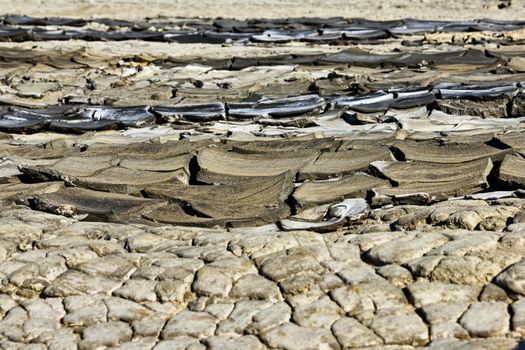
(82, 118)
(187, 30)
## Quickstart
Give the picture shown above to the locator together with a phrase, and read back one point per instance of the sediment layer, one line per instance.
(285, 184)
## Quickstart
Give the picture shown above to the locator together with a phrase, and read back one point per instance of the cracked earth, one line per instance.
(275, 183)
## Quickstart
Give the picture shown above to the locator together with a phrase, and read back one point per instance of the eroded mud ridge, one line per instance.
(310, 183)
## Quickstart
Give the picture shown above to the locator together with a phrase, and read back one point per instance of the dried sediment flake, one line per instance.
(349, 209)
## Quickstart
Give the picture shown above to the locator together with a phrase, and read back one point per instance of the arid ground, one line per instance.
(262, 175)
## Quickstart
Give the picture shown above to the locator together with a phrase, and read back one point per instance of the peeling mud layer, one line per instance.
(308, 182)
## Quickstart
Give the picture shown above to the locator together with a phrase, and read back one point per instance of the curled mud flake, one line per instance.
(337, 214)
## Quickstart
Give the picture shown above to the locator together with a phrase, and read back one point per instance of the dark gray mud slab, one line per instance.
(276, 107)
(468, 57)
(66, 118)
(413, 43)
(226, 36)
(379, 98)
(278, 36)
(194, 38)
(249, 200)
(305, 59)
(322, 22)
(512, 172)
(229, 25)
(20, 113)
(43, 35)
(58, 34)
(321, 35)
(97, 35)
(132, 116)
(372, 23)
(481, 25)
(445, 153)
(360, 57)
(374, 107)
(238, 63)
(14, 34)
(313, 193)
(414, 26)
(80, 126)
(218, 165)
(43, 21)
(114, 22)
(191, 112)
(24, 126)
(355, 33)
(258, 25)
(412, 100)
(99, 206)
(337, 164)
(454, 91)
(472, 57)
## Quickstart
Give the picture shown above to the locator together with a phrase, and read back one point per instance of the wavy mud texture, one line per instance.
(265, 183)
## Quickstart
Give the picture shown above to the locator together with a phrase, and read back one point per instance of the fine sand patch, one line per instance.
(386, 9)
